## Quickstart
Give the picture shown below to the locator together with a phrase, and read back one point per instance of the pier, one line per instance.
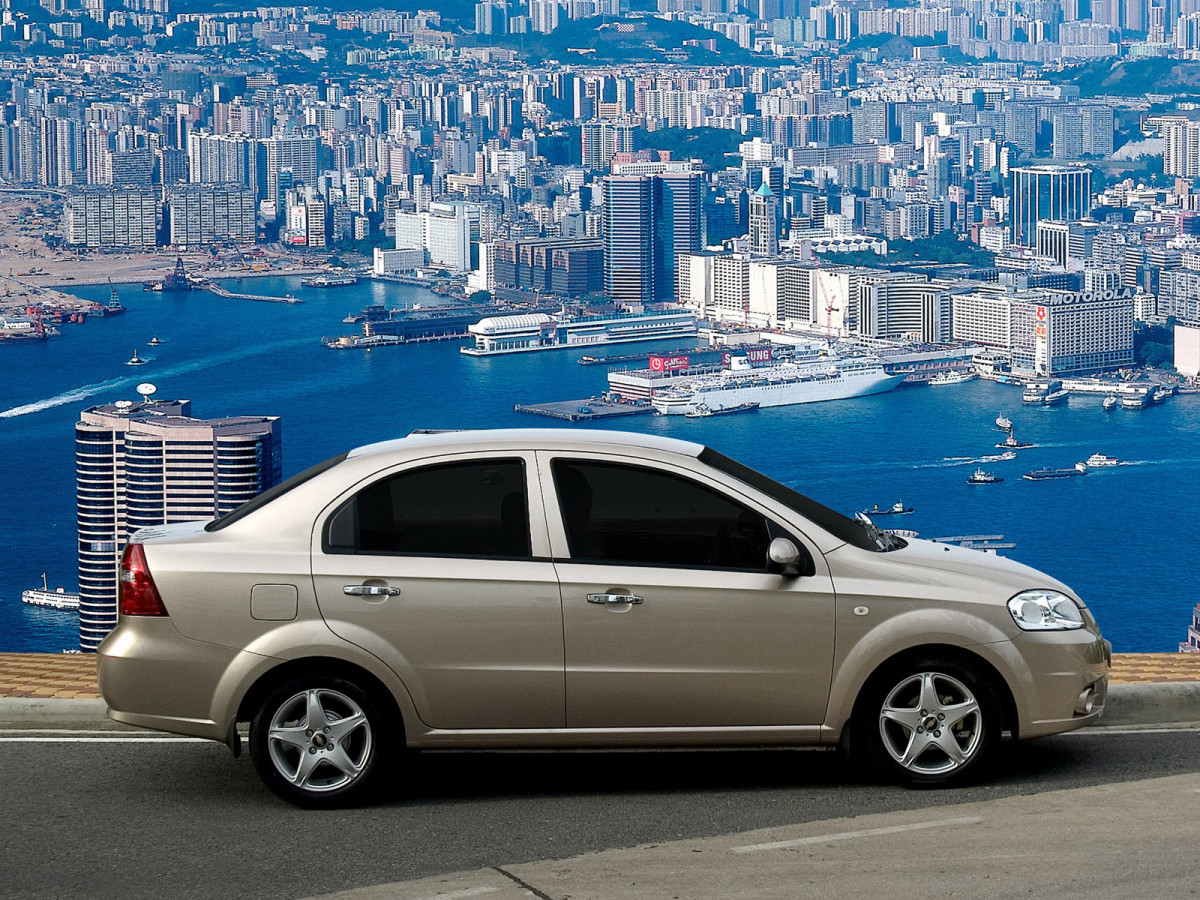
(585, 410)
(261, 298)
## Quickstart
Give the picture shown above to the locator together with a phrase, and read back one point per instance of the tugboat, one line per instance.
(981, 477)
(896, 509)
(154, 341)
(136, 360)
(1011, 443)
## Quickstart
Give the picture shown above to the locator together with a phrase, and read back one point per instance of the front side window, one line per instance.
(633, 515)
(467, 509)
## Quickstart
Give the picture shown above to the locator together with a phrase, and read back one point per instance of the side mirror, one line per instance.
(785, 558)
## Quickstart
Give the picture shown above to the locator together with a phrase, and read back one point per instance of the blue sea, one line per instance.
(1125, 537)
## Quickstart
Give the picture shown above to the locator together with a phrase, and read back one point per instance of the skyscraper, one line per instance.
(648, 220)
(150, 463)
(1059, 193)
(764, 235)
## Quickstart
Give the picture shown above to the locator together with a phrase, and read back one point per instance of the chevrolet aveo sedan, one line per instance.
(550, 588)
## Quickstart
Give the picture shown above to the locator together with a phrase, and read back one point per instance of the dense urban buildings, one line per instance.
(150, 463)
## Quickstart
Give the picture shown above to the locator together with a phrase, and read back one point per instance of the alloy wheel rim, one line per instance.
(931, 724)
(319, 740)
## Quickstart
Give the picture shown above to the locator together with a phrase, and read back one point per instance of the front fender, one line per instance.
(858, 659)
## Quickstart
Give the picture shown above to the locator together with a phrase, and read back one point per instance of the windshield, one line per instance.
(863, 533)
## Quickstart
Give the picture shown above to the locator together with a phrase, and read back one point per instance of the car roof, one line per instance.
(530, 439)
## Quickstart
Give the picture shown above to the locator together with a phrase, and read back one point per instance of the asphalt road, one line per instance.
(181, 819)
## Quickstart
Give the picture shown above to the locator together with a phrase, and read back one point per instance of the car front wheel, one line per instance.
(316, 741)
(934, 722)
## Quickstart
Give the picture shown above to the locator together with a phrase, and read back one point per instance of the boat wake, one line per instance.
(74, 395)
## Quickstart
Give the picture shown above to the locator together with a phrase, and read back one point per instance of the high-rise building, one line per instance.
(293, 154)
(1059, 193)
(601, 140)
(764, 231)
(104, 217)
(647, 221)
(628, 229)
(151, 463)
(222, 159)
(1181, 146)
(202, 214)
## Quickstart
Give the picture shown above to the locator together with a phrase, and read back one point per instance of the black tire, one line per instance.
(333, 764)
(930, 721)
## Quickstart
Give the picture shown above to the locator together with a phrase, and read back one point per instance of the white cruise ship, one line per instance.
(781, 384)
(538, 331)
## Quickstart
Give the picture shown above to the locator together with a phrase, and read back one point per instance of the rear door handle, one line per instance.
(606, 599)
(370, 590)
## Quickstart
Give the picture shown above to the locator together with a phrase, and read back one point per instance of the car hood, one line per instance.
(926, 562)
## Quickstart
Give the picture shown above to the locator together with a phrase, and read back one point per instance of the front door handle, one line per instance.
(370, 590)
(606, 599)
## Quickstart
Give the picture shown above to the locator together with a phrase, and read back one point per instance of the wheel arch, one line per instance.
(319, 665)
(908, 657)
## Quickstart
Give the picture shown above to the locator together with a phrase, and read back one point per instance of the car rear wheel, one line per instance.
(316, 741)
(933, 722)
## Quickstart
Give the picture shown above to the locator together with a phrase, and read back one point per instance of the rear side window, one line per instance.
(633, 515)
(468, 509)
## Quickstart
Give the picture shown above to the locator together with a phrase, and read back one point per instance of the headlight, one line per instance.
(1045, 611)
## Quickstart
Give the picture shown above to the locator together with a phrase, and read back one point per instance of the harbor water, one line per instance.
(1123, 537)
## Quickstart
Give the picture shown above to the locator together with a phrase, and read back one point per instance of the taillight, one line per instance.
(136, 593)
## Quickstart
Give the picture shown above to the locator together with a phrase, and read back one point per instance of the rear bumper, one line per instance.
(152, 676)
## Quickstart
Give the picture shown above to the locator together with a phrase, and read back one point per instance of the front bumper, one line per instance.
(1068, 684)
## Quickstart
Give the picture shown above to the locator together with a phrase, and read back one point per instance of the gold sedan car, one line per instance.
(553, 588)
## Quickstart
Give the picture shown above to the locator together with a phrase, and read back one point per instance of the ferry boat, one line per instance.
(1110, 402)
(703, 410)
(52, 599)
(329, 281)
(136, 360)
(1043, 474)
(496, 335)
(801, 380)
(1004, 423)
(952, 377)
(979, 476)
(1139, 400)
(1099, 460)
(896, 509)
(1161, 393)
(1045, 393)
